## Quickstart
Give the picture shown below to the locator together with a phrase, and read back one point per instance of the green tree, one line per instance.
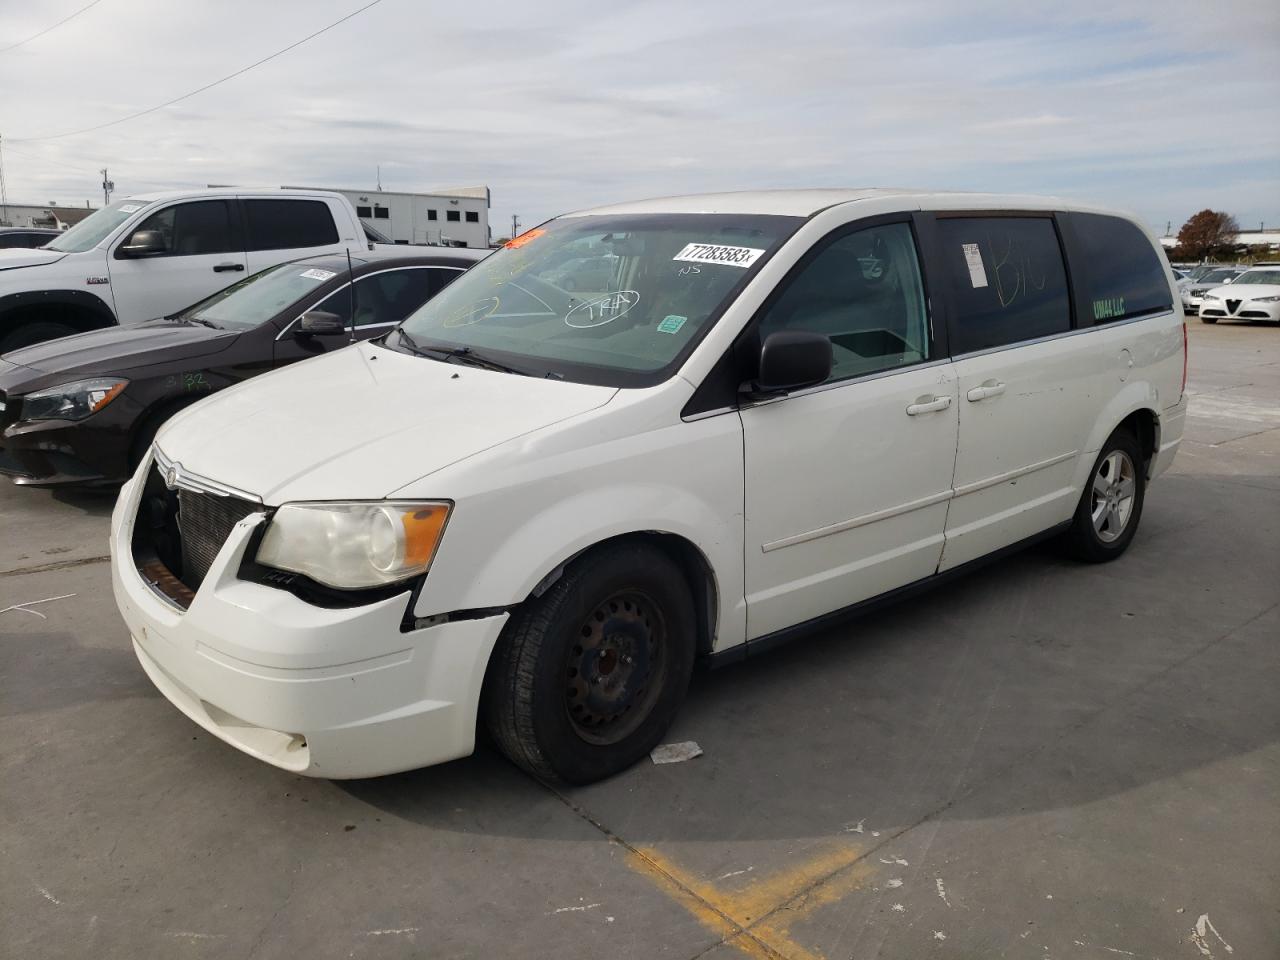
(1206, 233)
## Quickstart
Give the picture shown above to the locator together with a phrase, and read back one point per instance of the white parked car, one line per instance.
(1254, 295)
(1192, 293)
(535, 509)
(151, 255)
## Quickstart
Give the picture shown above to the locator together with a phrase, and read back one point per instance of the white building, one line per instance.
(457, 217)
(42, 215)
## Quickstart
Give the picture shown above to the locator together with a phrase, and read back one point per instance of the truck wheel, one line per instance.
(1107, 516)
(587, 678)
(30, 333)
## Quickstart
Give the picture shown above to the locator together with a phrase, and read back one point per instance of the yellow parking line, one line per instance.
(750, 919)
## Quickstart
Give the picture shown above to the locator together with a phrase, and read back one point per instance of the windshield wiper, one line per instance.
(408, 341)
(199, 320)
(470, 356)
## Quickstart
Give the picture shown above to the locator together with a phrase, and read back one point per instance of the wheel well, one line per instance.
(1142, 424)
(151, 421)
(691, 562)
(80, 317)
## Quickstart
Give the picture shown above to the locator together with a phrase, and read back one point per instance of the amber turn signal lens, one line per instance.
(422, 529)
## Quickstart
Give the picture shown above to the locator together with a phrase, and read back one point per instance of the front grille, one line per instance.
(205, 520)
(178, 532)
(1233, 305)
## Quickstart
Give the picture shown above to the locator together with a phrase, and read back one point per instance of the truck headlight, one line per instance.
(354, 545)
(71, 401)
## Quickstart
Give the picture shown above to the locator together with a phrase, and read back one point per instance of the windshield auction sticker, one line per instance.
(714, 253)
(317, 274)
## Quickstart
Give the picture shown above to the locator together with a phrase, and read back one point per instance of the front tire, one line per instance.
(1208, 319)
(1110, 508)
(587, 678)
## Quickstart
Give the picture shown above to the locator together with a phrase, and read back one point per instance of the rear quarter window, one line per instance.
(289, 224)
(1004, 279)
(1120, 271)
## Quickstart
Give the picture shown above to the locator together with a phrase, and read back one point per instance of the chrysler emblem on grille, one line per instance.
(173, 476)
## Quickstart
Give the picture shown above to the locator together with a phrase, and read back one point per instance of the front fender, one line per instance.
(83, 301)
(684, 480)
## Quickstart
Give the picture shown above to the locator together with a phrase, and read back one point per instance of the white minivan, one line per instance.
(544, 496)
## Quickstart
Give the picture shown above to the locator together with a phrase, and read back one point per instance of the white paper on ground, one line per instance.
(675, 752)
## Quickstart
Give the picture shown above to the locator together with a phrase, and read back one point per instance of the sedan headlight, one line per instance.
(1210, 296)
(1266, 299)
(71, 401)
(354, 545)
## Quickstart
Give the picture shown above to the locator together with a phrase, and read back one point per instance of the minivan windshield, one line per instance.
(258, 298)
(96, 227)
(611, 300)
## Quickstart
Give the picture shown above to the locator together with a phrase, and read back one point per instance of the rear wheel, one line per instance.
(587, 677)
(30, 333)
(1107, 516)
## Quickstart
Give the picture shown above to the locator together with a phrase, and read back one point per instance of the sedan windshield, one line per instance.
(613, 300)
(96, 227)
(1259, 276)
(1217, 276)
(256, 299)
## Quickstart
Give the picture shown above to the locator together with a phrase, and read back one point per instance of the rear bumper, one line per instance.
(321, 692)
(1172, 421)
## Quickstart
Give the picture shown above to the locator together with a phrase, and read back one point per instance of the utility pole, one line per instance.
(379, 178)
(1168, 228)
(515, 227)
(107, 187)
(4, 196)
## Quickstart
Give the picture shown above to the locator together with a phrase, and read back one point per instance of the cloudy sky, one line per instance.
(1159, 107)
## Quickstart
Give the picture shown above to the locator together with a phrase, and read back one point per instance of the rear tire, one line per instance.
(1110, 507)
(31, 333)
(587, 678)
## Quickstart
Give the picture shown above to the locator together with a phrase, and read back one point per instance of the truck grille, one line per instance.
(205, 521)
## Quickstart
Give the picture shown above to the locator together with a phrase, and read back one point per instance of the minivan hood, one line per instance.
(361, 422)
(13, 258)
(115, 349)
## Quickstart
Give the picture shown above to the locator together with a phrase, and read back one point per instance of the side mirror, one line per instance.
(321, 323)
(792, 360)
(145, 243)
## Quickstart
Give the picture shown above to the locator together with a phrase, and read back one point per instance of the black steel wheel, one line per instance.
(587, 678)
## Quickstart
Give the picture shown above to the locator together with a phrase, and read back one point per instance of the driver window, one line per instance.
(863, 290)
(191, 229)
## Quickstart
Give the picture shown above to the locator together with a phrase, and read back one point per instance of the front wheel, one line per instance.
(587, 678)
(1107, 516)
(29, 334)
(1208, 319)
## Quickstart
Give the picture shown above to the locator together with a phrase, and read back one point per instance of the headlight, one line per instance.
(71, 401)
(1266, 299)
(1210, 296)
(354, 545)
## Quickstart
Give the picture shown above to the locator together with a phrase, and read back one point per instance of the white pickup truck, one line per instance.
(151, 255)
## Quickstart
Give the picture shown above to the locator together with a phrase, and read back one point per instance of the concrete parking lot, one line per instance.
(1040, 760)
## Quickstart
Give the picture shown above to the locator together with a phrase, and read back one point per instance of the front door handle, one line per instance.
(990, 388)
(928, 404)
(224, 267)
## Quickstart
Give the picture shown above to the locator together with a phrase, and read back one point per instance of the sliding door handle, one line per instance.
(990, 388)
(224, 267)
(928, 404)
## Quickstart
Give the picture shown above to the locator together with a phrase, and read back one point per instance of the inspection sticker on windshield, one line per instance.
(131, 208)
(973, 257)
(315, 273)
(671, 324)
(714, 253)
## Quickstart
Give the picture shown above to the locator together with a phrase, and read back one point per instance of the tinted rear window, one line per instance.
(1121, 272)
(288, 224)
(1004, 279)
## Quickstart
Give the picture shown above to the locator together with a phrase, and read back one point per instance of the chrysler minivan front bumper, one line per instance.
(337, 693)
